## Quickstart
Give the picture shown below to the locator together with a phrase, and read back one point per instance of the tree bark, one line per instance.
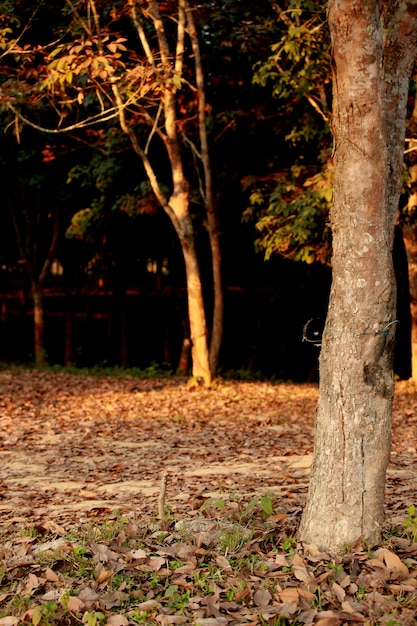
(196, 312)
(212, 216)
(38, 324)
(345, 504)
(178, 205)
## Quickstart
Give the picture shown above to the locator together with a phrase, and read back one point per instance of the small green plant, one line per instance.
(266, 505)
(140, 617)
(213, 503)
(336, 568)
(361, 593)
(232, 539)
(278, 621)
(410, 524)
(44, 614)
(289, 544)
(93, 618)
(177, 600)
(155, 580)
(202, 579)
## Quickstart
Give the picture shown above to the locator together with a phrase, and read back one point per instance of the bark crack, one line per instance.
(342, 423)
(363, 495)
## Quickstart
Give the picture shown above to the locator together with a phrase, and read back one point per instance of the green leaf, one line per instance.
(266, 505)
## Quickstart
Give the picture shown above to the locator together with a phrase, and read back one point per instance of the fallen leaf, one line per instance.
(51, 576)
(222, 562)
(289, 595)
(262, 597)
(138, 554)
(32, 582)
(391, 560)
(105, 574)
(54, 545)
(300, 570)
(116, 620)
(339, 592)
(212, 621)
(74, 604)
(156, 562)
(281, 559)
(148, 605)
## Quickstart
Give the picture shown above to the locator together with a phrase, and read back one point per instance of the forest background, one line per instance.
(85, 239)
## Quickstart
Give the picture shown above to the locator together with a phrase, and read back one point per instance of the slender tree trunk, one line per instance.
(212, 217)
(68, 350)
(178, 206)
(38, 324)
(196, 310)
(345, 504)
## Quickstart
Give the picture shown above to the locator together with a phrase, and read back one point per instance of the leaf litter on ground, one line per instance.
(80, 487)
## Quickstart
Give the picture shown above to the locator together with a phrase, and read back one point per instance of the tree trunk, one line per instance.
(345, 504)
(38, 325)
(196, 311)
(212, 216)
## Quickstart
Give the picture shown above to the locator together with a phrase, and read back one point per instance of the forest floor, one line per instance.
(81, 464)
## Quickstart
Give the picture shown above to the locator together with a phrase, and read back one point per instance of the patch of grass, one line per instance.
(289, 545)
(234, 538)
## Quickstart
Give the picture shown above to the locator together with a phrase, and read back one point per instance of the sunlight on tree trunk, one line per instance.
(207, 193)
(345, 504)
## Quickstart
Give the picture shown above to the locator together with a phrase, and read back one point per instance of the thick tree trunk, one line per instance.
(38, 325)
(345, 503)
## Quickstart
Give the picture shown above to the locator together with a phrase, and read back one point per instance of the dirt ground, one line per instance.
(86, 446)
(81, 464)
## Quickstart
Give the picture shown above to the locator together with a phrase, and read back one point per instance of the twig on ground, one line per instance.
(161, 497)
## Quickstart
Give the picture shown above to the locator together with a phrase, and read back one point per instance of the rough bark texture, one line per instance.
(345, 503)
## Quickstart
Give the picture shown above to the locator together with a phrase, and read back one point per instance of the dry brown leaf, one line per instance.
(53, 545)
(391, 560)
(102, 553)
(222, 562)
(242, 593)
(51, 576)
(185, 569)
(328, 621)
(53, 595)
(339, 592)
(289, 595)
(278, 518)
(104, 575)
(211, 621)
(262, 597)
(138, 554)
(32, 582)
(74, 604)
(300, 570)
(281, 559)
(116, 620)
(148, 605)
(9, 620)
(89, 597)
(156, 562)
(308, 596)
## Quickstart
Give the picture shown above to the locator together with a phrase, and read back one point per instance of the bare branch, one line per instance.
(141, 33)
